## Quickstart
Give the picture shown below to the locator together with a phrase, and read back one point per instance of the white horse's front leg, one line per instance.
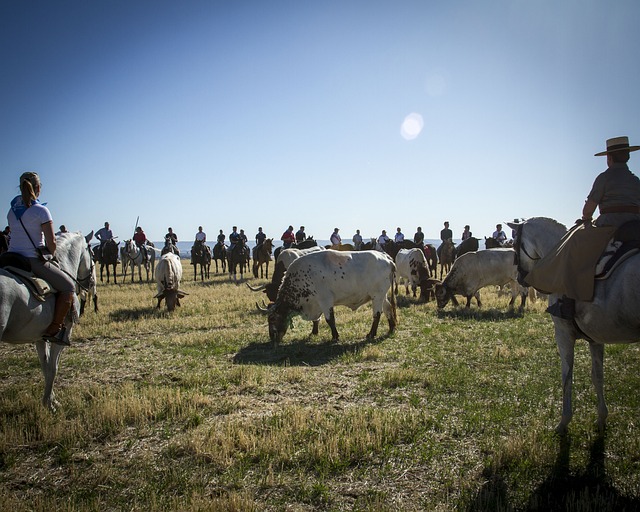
(49, 356)
(566, 341)
(597, 377)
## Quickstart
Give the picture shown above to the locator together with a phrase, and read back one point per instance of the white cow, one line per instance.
(285, 258)
(412, 266)
(475, 270)
(316, 282)
(168, 276)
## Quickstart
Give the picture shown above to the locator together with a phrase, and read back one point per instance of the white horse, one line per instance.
(131, 255)
(24, 319)
(611, 317)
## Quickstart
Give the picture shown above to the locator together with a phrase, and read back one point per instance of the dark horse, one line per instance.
(107, 257)
(237, 258)
(262, 255)
(305, 244)
(220, 253)
(200, 255)
(169, 246)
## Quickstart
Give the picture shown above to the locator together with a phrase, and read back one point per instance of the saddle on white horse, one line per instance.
(19, 267)
(584, 254)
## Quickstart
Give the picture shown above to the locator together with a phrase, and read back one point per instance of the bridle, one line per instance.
(518, 245)
(84, 283)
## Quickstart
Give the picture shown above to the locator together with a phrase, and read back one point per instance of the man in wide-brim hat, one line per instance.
(616, 191)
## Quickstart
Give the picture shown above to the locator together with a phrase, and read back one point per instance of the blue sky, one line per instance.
(349, 114)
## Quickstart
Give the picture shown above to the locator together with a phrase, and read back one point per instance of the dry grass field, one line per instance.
(197, 410)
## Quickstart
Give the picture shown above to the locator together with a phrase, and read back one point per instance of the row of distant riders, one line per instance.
(288, 238)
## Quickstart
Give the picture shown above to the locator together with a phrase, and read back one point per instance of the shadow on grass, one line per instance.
(123, 315)
(300, 352)
(482, 315)
(590, 489)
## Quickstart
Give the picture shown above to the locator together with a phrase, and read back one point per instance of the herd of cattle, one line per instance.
(311, 280)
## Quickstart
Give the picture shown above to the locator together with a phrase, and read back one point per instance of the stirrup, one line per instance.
(57, 338)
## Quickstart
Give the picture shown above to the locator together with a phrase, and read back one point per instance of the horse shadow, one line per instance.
(300, 352)
(561, 490)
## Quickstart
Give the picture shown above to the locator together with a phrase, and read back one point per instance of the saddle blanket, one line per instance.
(38, 286)
(569, 268)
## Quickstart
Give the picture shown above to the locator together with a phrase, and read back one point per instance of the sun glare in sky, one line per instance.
(412, 126)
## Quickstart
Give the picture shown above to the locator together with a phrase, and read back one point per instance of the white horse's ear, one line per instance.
(89, 236)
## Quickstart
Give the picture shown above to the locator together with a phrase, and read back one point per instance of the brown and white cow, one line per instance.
(285, 258)
(412, 266)
(315, 283)
(475, 270)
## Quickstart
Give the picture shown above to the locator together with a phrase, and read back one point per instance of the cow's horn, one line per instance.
(264, 308)
(256, 288)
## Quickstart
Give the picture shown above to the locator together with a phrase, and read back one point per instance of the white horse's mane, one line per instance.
(546, 220)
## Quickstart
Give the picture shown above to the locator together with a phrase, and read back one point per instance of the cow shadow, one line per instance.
(589, 489)
(300, 352)
(484, 314)
(123, 315)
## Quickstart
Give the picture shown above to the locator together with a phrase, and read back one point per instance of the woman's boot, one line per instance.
(56, 330)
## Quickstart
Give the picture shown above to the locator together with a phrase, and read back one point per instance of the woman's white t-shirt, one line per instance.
(33, 219)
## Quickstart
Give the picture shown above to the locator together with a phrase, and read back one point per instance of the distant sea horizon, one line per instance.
(185, 247)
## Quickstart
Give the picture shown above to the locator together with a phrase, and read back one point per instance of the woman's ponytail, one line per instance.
(29, 182)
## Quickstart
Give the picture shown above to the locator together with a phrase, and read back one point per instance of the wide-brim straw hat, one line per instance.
(618, 144)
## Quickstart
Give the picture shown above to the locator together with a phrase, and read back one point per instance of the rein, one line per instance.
(80, 281)
(517, 247)
(139, 253)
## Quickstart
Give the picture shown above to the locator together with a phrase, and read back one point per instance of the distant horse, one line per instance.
(89, 292)
(236, 258)
(24, 319)
(471, 244)
(220, 253)
(135, 258)
(392, 248)
(169, 246)
(447, 255)
(201, 255)
(340, 247)
(305, 244)
(246, 265)
(153, 254)
(107, 257)
(262, 256)
(492, 243)
(431, 253)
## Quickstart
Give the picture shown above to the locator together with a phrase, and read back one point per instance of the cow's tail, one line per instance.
(393, 314)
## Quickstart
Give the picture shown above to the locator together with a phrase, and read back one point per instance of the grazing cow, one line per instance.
(286, 257)
(475, 270)
(412, 267)
(168, 275)
(315, 283)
